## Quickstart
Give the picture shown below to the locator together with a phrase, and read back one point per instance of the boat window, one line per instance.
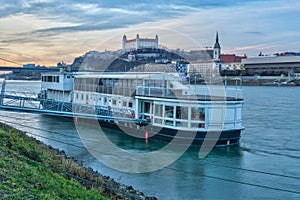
(198, 114)
(181, 124)
(105, 99)
(182, 112)
(100, 82)
(124, 103)
(202, 114)
(168, 122)
(57, 79)
(83, 81)
(139, 82)
(158, 110)
(194, 114)
(108, 82)
(194, 125)
(146, 107)
(158, 121)
(114, 102)
(109, 90)
(169, 111)
(130, 104)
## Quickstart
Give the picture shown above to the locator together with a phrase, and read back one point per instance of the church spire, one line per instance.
(217, 49)
(217, 45)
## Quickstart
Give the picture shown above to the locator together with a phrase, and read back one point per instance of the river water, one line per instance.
(265, 166)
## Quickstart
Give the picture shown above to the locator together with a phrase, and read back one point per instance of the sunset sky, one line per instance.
(45, 32)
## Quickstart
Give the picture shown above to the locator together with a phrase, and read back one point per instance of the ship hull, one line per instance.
(165, 135)
(297, 82)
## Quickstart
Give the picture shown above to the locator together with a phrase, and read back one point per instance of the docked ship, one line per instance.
(159, 106)
(151, 97)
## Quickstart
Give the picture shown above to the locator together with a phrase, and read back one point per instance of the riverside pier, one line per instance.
(31, 102)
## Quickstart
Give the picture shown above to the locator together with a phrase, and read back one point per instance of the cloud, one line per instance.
(254, 32)
(112, 14)
(242, 24)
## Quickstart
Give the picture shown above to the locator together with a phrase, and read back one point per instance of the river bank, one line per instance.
(31, 169)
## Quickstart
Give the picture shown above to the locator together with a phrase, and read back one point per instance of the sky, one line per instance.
(46, 32)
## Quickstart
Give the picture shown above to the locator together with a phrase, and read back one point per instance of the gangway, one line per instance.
(32, 103)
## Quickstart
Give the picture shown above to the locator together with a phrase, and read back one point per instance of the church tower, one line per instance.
(217, 49)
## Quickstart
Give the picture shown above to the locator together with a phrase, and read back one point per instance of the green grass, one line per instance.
(23, 176)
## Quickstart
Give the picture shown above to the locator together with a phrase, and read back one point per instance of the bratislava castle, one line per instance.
(139, 43)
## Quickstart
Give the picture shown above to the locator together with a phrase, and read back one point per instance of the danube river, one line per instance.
(265, 166)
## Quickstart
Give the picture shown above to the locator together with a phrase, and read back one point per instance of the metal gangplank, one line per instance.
(32, 103)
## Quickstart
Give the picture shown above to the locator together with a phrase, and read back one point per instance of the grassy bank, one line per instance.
(26, 171)
(32, 170)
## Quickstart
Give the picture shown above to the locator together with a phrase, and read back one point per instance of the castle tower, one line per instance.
(124, 41)
(137, 41)
(156, 41)
(217, 49)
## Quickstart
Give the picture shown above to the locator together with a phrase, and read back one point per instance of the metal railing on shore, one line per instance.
(30, 102)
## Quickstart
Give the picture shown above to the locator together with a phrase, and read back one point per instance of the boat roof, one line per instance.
(131, 75)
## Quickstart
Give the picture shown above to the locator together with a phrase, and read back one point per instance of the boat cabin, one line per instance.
(162, 99)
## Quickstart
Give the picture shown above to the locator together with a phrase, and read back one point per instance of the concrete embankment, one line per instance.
(260, 81)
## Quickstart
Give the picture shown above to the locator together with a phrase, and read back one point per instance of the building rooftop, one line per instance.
(231, 58)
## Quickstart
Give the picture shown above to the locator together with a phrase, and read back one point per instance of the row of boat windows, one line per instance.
(124, 91)
(178, 116)
(110, 82)
(108, 85)
(105, 100)
(177, 112)
(50, 79)
(180, 123)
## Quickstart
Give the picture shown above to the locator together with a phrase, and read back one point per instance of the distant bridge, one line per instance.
(35, 69)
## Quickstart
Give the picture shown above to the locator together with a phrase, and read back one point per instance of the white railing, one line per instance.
(219, 90)
(193, 90)
(21, 94)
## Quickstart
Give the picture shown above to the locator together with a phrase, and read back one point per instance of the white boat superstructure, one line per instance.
(163, 101)
(58, 85)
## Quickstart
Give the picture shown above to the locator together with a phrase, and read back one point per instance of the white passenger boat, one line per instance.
(151, 105)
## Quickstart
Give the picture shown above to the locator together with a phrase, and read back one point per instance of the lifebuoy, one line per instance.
(132, 114)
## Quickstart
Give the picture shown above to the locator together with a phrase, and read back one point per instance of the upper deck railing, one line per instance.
(193, 92)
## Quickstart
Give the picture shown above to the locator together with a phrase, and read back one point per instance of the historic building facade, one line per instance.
(139, 43)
